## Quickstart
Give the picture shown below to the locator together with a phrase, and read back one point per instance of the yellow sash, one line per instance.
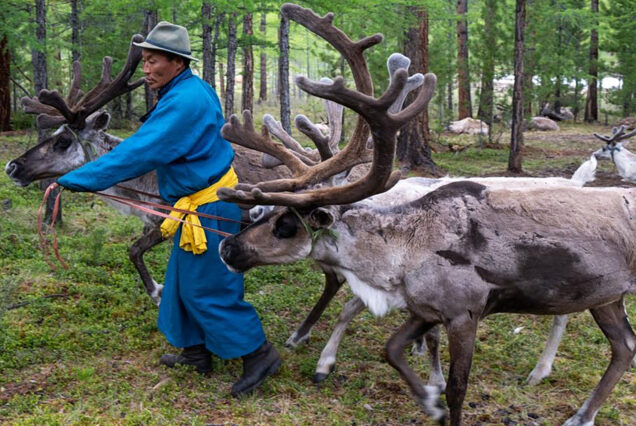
(192, 237)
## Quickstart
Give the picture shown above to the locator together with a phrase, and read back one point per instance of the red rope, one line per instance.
(137, 204)
(43, 241)
(133, 204)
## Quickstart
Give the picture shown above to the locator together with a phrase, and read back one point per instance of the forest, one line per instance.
(80, 346)
(578, 54)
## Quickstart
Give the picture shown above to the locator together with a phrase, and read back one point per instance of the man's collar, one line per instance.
(186, 73)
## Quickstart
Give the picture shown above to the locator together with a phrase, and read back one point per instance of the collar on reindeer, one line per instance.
(89, 150)
(612, 149)
(315, 234)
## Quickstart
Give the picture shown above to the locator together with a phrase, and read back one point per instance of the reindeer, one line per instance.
(452, 257)
(614, 150)
(81, 137)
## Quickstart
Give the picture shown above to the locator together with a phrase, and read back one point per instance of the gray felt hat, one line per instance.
(169, 38)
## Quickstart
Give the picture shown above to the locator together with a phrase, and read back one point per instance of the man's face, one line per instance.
(159, 69)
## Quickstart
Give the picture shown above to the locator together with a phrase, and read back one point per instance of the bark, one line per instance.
(247, 99)
(38, 55)
(75, 46)
(283, 74)
(485, 111)
(231, 69)
(413, 145)
(464, 108)
(591, 104)
(262, 94)
(221, 80)
(206, 36)
(128, 115)
(5, 86)
(150, 20)
(215, 44)
(516, 136)
(210, 42)
(40, 81)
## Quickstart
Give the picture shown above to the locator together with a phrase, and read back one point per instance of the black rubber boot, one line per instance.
(261, 363)
(197, 356)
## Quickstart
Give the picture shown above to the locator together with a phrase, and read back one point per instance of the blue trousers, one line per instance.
(202, 301)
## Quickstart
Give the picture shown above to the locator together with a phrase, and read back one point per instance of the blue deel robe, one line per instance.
(202, 301)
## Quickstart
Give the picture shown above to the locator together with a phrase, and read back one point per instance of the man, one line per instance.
(202, 308)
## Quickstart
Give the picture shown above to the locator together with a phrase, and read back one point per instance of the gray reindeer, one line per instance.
(451, 257)
(82, 137)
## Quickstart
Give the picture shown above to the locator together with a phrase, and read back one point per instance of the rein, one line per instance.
(144, 206)
(56, 210)
(314, 233)
(613, 149)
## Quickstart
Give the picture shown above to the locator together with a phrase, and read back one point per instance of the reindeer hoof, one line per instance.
(294, 341)
(320, 377)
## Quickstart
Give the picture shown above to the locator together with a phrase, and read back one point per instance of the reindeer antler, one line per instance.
(374, 114)
(618, 134)
(54, 110)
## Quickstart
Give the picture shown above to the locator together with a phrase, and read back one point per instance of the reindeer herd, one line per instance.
(448, 251)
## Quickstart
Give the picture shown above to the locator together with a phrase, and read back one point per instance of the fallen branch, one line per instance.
(48, 296)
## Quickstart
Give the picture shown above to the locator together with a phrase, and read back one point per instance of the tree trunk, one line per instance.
(262, 94)
(5, 86)
(591, 104)
(40, 81)
(413, 147)
(247, 100)
(150, 20)
(464, 108)
(129, 111)
(231, 69)
(206, 36)
(38, 55)
(75, 42)
(222, 80)
(485, 111)
(283, 74)
(516, 136)
(215, 44)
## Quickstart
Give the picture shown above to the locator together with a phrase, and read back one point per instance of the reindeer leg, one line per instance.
(431, 338)
(136, 253)
(327, 360)
(436, 376)
(428, 396)
(332, 285)
(461, 344)
(544, 365)
(612, 320)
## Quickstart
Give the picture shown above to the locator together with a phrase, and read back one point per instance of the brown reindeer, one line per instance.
(452, 257)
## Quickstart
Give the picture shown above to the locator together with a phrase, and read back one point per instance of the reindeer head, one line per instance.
(612, 143)
(307, 200)
(66, 150)
(78, 138)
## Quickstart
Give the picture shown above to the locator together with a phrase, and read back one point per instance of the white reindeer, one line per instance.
(615, 151)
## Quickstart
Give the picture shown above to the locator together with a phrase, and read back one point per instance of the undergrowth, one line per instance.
(81, 347)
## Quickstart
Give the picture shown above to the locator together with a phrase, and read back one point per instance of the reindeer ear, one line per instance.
(98, 121)
(321, 217)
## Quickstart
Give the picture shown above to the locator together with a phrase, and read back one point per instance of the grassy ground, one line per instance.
(80, 346)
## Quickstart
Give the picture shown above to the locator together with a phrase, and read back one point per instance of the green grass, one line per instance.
(81, 347)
